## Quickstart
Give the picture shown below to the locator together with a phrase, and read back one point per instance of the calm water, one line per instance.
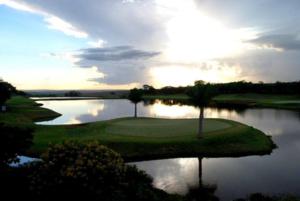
(233, 177)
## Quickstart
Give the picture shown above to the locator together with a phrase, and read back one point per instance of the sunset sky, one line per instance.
(121, 44)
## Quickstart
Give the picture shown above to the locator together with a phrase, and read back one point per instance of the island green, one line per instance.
(143, 138)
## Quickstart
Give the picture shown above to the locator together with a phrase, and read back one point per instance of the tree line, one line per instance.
(233, 88)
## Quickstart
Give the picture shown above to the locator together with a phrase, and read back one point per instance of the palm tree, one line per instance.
(200, 95)
(135, 96)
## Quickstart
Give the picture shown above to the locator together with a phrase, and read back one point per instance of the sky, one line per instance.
(121, 44)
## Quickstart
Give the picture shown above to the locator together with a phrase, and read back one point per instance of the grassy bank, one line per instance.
(144, 138)
(154, 138)
(23, 110)
(261, 100)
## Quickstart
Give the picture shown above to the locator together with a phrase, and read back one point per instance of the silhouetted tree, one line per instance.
(148, 89)
(6, 91)
(201, 94)
(135, 96)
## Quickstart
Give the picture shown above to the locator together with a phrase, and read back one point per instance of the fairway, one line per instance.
(148, 127)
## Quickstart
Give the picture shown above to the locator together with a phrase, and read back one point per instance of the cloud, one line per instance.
(277, 41)
(120, 64)
(118, 53)
(117, 22)
(52, 21)
(67, 28)
(98, 43)
(107, 24)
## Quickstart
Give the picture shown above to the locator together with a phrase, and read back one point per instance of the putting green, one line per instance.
(148, 127)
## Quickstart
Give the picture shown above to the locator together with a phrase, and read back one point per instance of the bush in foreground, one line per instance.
(91, 172)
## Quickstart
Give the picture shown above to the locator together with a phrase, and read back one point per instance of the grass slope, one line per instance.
(24, 110)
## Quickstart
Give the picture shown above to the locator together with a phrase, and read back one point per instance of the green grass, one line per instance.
(24, 110)
(261, 100)
(144, 138)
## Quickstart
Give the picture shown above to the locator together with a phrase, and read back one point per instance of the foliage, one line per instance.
(15, 140)
(148, 89)
(201, 93)
(6, 91)
(237, 87)
(90, 172)
(135, 95)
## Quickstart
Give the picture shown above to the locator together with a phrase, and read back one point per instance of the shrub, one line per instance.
(89, 171)
(15, 140)
(72, 169)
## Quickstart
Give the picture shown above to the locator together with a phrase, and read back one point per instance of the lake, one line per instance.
(233, 177)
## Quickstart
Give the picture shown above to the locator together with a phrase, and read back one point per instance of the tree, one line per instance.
(148, 89)
(6, 91)
(135, 96)
(200, 95)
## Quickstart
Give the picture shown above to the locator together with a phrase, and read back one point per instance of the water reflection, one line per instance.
(230, 177)
(82, 111)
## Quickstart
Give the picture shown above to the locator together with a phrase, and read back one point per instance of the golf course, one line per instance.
(142, 138)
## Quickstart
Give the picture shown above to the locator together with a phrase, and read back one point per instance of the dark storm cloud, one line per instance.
(116, 53)
(282, 41)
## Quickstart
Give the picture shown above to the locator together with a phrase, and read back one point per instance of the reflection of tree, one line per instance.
(186, 102)
(202, 192)
(149, 102)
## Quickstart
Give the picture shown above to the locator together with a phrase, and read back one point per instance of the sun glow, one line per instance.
(194, 35)
(182, 75)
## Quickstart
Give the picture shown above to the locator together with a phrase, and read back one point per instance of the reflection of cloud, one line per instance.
(173, 111)
(73, 121)
(172, 175)
(96, 110)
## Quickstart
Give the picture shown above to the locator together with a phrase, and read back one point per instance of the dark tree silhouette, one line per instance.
(135, 96)
(6, 91)
(200, 95)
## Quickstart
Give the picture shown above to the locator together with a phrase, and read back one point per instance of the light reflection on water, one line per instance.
(234, 177)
